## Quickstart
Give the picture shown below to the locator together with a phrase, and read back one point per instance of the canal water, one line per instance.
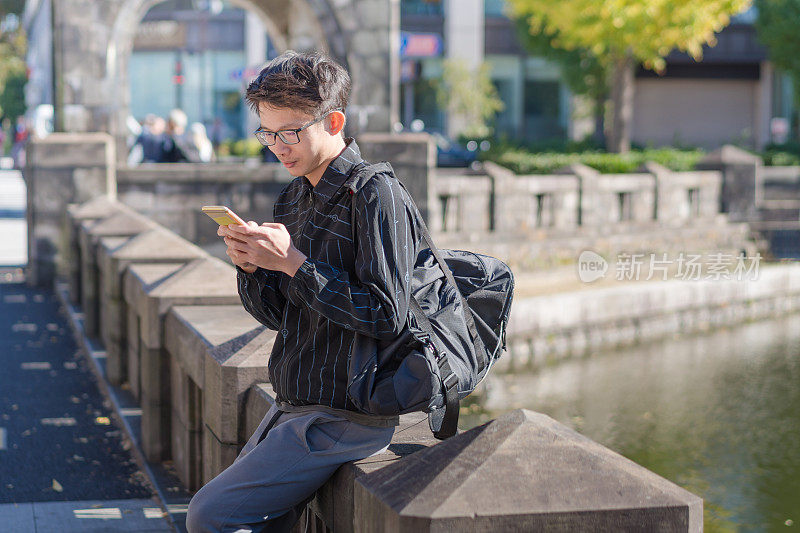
(718, 414)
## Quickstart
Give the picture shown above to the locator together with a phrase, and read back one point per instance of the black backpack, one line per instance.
(432, 366)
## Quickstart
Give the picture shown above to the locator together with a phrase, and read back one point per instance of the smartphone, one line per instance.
(222, 215)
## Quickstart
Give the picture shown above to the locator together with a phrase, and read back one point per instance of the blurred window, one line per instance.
(421, 7)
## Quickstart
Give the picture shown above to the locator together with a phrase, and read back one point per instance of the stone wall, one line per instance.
(531, 221)
(172, 325)
(62, 169)
(548, 328)
(172, 194)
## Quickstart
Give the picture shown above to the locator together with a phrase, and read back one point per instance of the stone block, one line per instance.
(186, 451)
(132, 348)
(109, 303)
(122, 223)
(155, 438)
(225, 351)
(216, 455)
(230, 370)
(741, 187)
(114, 255)
(521, 472)
(154, 382)
(151, 290)
(259, 400)
(100, 207)
(186, 427)
(62, 169)
(413, 157)
(67, 150)
(334, 502)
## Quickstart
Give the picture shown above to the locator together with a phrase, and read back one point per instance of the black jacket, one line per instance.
(346, 298)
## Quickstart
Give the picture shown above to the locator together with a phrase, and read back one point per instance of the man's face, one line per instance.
(310, 153)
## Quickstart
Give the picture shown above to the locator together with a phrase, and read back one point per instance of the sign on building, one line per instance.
(420, 44)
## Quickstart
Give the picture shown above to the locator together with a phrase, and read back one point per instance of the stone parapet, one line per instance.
(150, 291)
(62, 169)
(521, 472)
(216, 354)
(76, 214)
(114, 256)
(197, 363)
(120, 222)
(552, 327)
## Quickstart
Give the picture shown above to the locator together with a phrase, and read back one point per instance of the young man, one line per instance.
(331, 291)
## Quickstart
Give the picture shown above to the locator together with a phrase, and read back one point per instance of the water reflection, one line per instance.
(719, 414)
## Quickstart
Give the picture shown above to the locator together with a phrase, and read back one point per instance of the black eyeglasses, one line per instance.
(267, 138)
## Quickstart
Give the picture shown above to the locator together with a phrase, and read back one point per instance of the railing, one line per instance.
(174, 330)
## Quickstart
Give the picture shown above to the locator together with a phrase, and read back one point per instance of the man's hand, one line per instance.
(234, 251)
(267, 246)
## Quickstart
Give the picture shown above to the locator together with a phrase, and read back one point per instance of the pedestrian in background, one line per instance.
(179, 146)
(201, 141)
(149, 146)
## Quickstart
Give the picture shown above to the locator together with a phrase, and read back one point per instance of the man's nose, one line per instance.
(280, 148)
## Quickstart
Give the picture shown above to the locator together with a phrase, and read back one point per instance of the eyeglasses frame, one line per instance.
(296, 131)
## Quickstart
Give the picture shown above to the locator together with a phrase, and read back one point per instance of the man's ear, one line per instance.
(336, 119)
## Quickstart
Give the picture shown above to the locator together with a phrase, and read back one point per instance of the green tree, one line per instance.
(622, 33)
(13, 71)
(470, 95)
(777, 25)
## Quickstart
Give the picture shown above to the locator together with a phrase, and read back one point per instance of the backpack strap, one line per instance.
(443, 421)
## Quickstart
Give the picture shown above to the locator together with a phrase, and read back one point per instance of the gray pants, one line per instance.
(267, 485)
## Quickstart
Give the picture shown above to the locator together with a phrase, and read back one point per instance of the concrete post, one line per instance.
(521, 472)
(589, 205)
(742, 190)
(217, 353)
(150, 291)
(122, 223)
(62, 169)
(100, 207)
(114, 256)
(413, 158)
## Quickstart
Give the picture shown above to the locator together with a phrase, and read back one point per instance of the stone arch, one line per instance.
(96, 40)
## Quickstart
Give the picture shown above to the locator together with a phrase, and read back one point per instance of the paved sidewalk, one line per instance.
(65, 465)
(13, 227)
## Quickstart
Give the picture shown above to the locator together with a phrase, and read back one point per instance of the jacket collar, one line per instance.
(337, 172)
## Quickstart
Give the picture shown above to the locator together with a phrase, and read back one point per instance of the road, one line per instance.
(64, 465)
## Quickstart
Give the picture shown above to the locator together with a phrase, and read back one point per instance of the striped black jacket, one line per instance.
(344, 298)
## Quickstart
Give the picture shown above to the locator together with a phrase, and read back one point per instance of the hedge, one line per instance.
(522, 161)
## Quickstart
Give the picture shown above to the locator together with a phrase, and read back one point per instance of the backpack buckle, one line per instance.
(450, 382)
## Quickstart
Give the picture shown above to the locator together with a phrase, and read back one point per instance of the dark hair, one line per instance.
(309, 82)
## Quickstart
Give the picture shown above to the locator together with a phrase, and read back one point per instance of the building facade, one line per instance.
(199, 61)
(732, 96)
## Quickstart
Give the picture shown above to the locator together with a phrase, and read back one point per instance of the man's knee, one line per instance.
(202, 514)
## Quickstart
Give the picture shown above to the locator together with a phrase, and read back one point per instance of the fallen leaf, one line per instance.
(57, 486)
(102, 420)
